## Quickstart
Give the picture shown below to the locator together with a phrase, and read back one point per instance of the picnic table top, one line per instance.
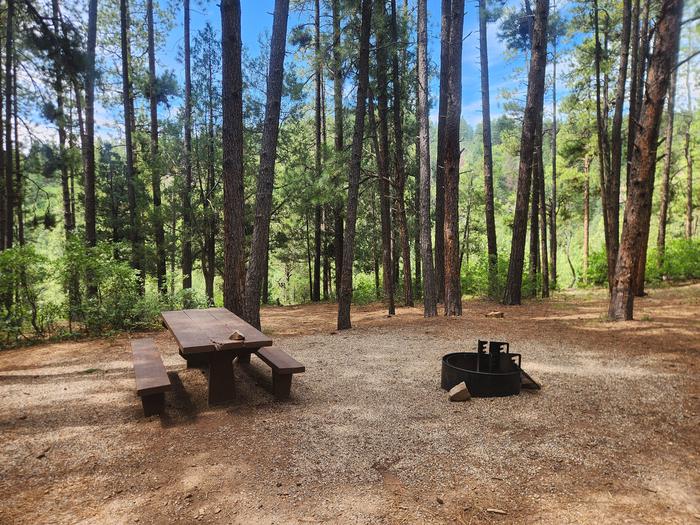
(209, 329)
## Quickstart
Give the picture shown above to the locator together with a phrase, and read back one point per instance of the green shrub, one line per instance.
(475, 277)
(23, 280)
(681, 262)
(363, 289)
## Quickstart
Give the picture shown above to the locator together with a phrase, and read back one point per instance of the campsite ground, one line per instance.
(368, 436)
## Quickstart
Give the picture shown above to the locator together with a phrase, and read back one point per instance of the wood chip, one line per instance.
(496, 511)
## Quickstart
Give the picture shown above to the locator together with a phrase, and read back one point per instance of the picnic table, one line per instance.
(205, 334)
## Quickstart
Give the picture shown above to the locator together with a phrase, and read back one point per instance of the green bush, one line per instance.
(363, 289)
(681, 262)
(23, 282)
(475, 277)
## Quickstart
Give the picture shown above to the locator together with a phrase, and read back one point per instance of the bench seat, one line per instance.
(283, 367)
(151, 378)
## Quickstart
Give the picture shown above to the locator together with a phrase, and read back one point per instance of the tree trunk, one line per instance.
(128, 103)
(492, 245)
(666, 181)
(453, 286)
(266, 171)
(553, 207)
(19, 185)
(338, 78)
(210, 215)
(345, 296)
(382, 140)
(610, 206)
(446, 19)
(400, 164)
(232, 145)
(426, 249)
(586, 215)
(531, 120)
(89, 154)
(688, 161)
(534, 264)
(186, 191)
(155, 159)
(384, 198)
(661, 67)
(637, 83)
(9, 81)
(316, 292)
(543, 221)
(616, 131)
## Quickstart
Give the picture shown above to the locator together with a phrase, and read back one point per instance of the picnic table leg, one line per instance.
(244, 359)
(221, 383)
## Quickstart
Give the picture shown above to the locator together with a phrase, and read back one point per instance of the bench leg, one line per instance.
(244, 359)
(153, 404)
(281, 385)
(221, 387)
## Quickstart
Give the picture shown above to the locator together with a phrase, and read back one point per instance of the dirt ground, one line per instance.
(369, 436)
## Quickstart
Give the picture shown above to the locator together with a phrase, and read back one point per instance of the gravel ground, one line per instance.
(369, 436)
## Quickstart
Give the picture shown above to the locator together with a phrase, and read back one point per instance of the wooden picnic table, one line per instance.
(204, 335)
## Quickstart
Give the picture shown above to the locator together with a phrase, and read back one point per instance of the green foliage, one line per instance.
(363, 289)
(682, 262)
(23, 279)
(475, 276)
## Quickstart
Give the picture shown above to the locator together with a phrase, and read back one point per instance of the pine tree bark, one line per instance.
(610, 205)
(19, 184)
(553, 207)
(232, 145)
(316, 292)
(445, 26)
(666, 41)
(266, 171)
(453, 285)
(532, 116)
(186, 262)
(688, 161)
(89, 154)
(384, 202)
(534, 263)
(345, 297)
(637, 81)
(339, 141)
(666, 180)
(543, 222)
(616, 131)
(128, 104)
(400, 163)
(586, 214)
(429, 288)
(9, 81)
(155, 159)
(492, 246)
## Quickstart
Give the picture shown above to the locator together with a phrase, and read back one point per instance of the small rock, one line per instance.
(278, 484)
(217, 510)
(440, 500)
(460, 392)
(498, 315)
(496, 511)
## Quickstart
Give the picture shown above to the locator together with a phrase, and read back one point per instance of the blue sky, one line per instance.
(257, 19)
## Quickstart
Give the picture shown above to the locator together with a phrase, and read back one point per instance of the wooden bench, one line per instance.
(283, 367)
(151, 378)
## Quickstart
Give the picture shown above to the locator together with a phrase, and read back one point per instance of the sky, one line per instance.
(256, 20)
